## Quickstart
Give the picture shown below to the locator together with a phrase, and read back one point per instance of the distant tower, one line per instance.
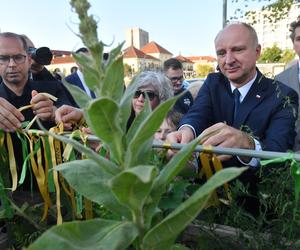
(136, 37)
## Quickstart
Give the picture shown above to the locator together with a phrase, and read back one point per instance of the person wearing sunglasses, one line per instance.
(174, 71)
(153, 85)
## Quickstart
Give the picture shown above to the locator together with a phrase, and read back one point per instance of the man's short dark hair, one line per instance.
(82, 50)
(172, 63)
(293, 27)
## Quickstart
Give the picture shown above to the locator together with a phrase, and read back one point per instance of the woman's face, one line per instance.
(140, 97)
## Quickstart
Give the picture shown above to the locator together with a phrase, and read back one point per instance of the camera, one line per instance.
(41, 55)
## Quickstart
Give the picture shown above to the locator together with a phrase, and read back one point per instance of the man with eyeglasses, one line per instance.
(16, 90)
(174, 71)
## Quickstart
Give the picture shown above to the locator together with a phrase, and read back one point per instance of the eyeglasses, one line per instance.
(18, 59)
(150, 94)
(176, 79)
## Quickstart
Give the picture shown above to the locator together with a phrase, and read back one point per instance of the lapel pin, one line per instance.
(257, 96)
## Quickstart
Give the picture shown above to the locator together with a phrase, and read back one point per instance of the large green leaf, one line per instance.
(80, 96)
(96, 234)
(90, 72)
(126, 106)
(165, 233)
(132, 186)
(113, 84)
(146, 131)
(89, 179)
(103, 119)
(167, 174)
(107, 165)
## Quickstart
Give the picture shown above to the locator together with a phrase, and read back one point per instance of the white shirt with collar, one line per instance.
(86, 88)
(243, 91)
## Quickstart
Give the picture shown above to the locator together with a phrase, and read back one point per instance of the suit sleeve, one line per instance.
(199, 115)
(63, 96)
(280, 134)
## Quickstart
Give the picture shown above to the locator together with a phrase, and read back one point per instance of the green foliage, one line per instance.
(271, 55)
(93, 234)
(274, 11)
(202, 70)
(275, 227)
(127, 70)
(128, 184)
(287, 55)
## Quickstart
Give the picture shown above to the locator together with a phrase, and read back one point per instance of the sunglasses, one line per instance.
(150, 94)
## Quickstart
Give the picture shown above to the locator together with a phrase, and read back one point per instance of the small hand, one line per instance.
(68, 115)
(183, 135)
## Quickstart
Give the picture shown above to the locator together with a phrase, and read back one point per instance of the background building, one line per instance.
(270, 33)
(136, 37)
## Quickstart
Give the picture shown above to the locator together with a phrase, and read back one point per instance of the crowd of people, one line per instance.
(237, 107)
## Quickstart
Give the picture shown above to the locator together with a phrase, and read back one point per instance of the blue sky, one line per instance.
(187, 27)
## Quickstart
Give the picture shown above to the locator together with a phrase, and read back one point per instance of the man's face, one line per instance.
(297, 41)
(237, 54)
(13, 70)
(176, 77)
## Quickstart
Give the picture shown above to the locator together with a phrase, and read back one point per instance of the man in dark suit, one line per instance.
(265, 114)
(260, 116)
(77, 79)
(291, 76)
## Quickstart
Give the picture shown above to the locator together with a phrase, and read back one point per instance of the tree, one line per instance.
(271, 55)
(202, 70)
(287, 55)
(127, 70)
(275, 10)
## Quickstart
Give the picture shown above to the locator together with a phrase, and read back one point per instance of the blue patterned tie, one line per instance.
(237, 95)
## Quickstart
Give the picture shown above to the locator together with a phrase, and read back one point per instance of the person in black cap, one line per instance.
(39, 57)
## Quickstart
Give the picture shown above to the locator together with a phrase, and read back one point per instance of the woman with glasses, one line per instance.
(153, 85)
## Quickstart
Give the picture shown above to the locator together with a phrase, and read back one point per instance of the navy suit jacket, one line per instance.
(268, 111)
(75, 80)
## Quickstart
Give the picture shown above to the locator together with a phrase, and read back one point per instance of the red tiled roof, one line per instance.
(62, 59)
(61, 52)
(132, 52)
(153, 47)
(201, 58)
(183, 59)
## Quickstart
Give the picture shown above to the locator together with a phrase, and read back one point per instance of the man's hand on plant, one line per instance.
(223, 135)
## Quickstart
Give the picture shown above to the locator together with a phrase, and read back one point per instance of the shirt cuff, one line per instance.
(254, 163)
(189, 126)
